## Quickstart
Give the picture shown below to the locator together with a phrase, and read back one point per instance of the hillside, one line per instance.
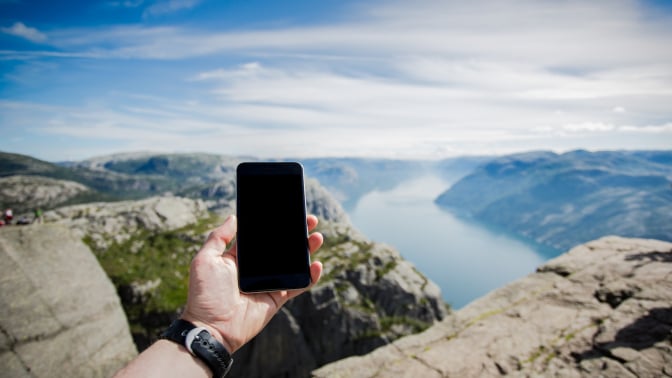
(212, 177)
(567, 199)
(103, 185)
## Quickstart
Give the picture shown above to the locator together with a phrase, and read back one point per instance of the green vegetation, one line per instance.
(415, 325)
(159, 261)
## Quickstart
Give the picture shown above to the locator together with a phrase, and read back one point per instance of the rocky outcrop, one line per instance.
(107, 222)
(59, 314)
(602, 309)
(26, 193)
(322, 204)
(368, 297)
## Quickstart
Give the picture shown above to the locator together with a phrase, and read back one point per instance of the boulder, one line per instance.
(60, 315)
(602, 309)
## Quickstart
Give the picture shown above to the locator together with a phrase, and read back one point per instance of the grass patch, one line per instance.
(162, 257)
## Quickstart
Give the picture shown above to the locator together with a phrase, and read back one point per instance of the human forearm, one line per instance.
(165, 359)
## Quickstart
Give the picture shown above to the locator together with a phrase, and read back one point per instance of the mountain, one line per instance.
(212, 177)
(602, 309)
(103, 185)
(561, 200)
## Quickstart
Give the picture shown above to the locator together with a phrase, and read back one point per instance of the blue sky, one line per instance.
(398, 79)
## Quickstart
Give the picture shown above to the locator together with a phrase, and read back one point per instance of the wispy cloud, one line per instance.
(402, 79)
(26, 32)
(161, 7)
(126, 3)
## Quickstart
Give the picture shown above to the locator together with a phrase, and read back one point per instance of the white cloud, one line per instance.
(162, 7)
(126, 3)
(588, 126)
(399, 79)
(648, 129)
(23, 31)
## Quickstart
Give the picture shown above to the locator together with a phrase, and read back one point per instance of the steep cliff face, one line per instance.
(59, 314)
(602, 309)
(368, 297)
(322, 204)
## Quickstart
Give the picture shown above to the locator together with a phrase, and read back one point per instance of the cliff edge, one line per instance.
(602, 309)
(60, 315)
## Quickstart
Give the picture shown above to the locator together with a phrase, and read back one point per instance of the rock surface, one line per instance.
(26, 193)
(116, 221)
(322, 204)
(368, 297)
(60, 315)
(602, 309)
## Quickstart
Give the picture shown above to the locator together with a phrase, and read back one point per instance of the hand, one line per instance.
(214, 300)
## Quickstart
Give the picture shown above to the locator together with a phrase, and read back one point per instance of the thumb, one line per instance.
(220, 237)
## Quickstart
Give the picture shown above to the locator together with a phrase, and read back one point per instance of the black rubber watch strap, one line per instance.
(202, 345)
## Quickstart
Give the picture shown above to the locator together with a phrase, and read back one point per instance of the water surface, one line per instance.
(465, 258)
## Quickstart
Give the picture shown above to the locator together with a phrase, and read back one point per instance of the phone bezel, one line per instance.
(275, 282)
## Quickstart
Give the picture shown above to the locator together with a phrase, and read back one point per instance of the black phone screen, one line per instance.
(272, 234)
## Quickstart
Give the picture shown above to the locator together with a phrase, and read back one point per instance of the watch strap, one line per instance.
(201, 344)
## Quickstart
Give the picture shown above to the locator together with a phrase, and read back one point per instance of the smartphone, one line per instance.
(273, 252)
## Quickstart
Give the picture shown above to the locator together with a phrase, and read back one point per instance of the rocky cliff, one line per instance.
(602, 309)
(59, 314)
(368, 297)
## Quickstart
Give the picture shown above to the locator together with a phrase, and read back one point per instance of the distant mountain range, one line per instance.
(212, 177)
(558, 200)
(561, 200)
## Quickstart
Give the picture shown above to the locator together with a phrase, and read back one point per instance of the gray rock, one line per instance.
(26, 193)
(60, 315)
(602, 309)
(105, 222)
(322, 204)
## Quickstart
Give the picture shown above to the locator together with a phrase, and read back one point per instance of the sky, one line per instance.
(422, 79)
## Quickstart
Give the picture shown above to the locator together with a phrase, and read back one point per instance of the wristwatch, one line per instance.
(200, 343)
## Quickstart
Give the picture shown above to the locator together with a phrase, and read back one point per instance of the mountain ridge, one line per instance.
(561, 200)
